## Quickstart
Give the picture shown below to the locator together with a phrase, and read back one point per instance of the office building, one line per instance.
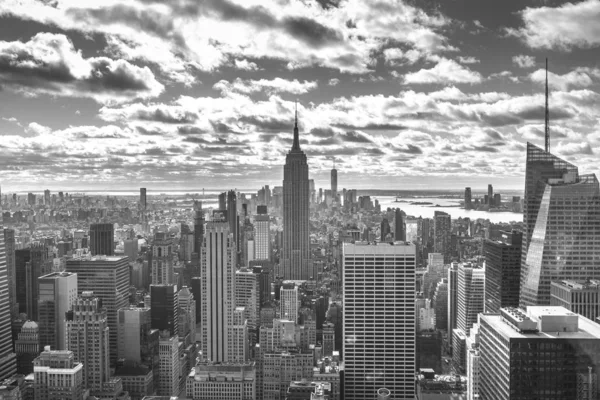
(30, 264)
(222, 381)
(198, 227)
(169, 367)
(564, 241)
(108, 278)
(27, 347)
(9, 247)
(452, 296)
(131, 249)
(473, 366)
(57, 293)
(379, 334)
(8, 360)
(57, 376)
(543, 353)
(289, 301)
(442, 231)
(138, 342)
(102, 239)
(385, 230)
(468, 200)
(470, 288)
(295, 259)
(247, 295)
(164, 308)
(87, 337)
(196, 287)
(502, 271)
(280, 368)
(262, 238)
(143, 203)
(218, 286)
(399, 227)
(162, 259)
(582, 297)
(440, 304)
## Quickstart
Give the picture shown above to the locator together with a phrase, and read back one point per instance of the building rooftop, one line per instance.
(551, 323)
(98, 258)
(592, 284)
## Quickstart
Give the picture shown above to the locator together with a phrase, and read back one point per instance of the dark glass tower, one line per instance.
(295, 261)
(502, 271)
(198, 226)
(399, 228)
(102, 239)
(164, 307)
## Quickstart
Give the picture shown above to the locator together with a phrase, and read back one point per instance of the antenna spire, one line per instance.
(296, 144)
(547, 116)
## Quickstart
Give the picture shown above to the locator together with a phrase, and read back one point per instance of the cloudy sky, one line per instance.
(410, 94)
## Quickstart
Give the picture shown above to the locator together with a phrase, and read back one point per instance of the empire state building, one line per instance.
(295, 261)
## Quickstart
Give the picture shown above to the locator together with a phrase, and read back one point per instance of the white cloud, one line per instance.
(36, 129)
(580, 77)
(565, 27)
(468, 60)
(246, 65)
(277, 85)
(445, 71)
(333, 82)
(524, 61)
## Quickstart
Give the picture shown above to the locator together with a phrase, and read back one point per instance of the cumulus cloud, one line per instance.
(245, 65)
(49, 63)
(580, 77)
(524, 61)
(468, 60)
(445, 71)
(277, 85)
(565, 27)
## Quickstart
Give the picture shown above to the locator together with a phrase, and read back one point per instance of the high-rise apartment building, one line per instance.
(163, 255)
(262, 238)
(468, 199)
(442, 231)
(57, 293)
(8, 360)
(218, 286)
(502, 271)
(102, 239)
(164, 308)
(108, 278)
(296, 257)
(563, 232)
(87, 337)
(379, 319)
(543, 353)
(57, 376)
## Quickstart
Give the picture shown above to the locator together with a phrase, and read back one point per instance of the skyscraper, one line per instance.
(470, 287)
(468, 204)
(562, 223)
(102, 239)
(452, 296)
(334, 182)
(143, 204)
(262, 238)
(296, 229)
(87, 337)
(385, 229)
(108, 278)
(232, 218)
(490, 195)
(379, 319)
(164, 308)
(162, 259)
(198, 227)
(8, 360)
(57, 293)
(442, 231)
(9, 242)
(502, 271)
(399, 229)
(217, 293)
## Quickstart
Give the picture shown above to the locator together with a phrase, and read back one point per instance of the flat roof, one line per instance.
(375, 248)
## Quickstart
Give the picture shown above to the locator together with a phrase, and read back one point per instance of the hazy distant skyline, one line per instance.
(429, 94)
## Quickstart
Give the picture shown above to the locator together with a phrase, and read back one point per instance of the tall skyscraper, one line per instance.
(164, 308)
(296, 255)
(468, 203)
(442, 231)
(399, 228)
(102, 239)
(452, 296)
(232, 218)
(289, 301)
(163, 256)
(470, 289)
(582, 298)
(169, 366)
(143, 204)
(138, 342)
(379, 319)
(262, 238)
(564, 240)
(385, 230)
(30, 264)
(217, 294)
(198, 227)
(57, 293)
(108, 278)
(9, 242)
(8, 360)
(87, 337)
(543, 353)
(502, 271)
(490, 195)
(334, 182)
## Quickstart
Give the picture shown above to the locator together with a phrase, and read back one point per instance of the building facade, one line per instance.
(502, 271)
(8, 359)
(57, 293)
(102, 239)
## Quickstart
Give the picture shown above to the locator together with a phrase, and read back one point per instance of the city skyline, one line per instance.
(125, 95)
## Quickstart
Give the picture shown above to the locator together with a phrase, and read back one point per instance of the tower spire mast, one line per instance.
(296, 145)
(547, 116)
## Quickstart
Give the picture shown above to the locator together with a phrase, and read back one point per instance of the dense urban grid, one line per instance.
(299, 293)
